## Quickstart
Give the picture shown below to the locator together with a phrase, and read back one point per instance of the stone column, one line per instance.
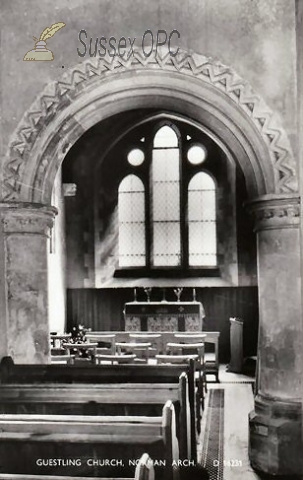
(275, 424)
(25, 230)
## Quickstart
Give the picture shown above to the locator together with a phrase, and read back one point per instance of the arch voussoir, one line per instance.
(31, 151)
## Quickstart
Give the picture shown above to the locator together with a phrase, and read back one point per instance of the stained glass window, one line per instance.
(131, 207)
(166, 222)
(165, 194)
(202, 238)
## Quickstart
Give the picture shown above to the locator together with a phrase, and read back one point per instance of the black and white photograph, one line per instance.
(151, 242)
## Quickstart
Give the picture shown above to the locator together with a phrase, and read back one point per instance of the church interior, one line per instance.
(150, 241)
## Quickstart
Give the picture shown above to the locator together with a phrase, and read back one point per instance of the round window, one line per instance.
(196, 154)
(135, 157)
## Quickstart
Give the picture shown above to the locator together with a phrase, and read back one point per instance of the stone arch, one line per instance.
(191, 84)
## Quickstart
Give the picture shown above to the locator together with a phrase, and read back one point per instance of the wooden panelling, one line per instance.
(102, 309)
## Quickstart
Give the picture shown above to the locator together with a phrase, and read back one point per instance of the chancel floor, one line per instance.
(223, 445)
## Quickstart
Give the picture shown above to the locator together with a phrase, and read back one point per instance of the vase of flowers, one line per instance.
(79, 336)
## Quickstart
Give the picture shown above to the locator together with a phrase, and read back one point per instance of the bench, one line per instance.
(63, 359)
(103, 445)
(162, 338)
(11, 373)
(106, 389)
(106, 399)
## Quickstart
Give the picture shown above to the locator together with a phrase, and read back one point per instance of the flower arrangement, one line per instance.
(79, 336)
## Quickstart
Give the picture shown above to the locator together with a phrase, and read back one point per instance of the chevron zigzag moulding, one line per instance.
(58, 95)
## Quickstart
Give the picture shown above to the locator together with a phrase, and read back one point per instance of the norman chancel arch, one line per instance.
(214, 96)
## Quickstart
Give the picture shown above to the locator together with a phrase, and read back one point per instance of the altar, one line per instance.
(163, 316)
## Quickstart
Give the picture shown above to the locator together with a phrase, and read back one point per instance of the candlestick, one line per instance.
(194, 294)
(178, 292)
(148, 293)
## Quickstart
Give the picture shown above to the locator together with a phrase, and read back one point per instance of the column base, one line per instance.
(275, 437)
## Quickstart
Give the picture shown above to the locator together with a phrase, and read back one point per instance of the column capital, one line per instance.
(275, 211)
(22, 217)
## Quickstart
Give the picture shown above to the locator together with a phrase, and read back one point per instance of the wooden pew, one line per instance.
(105, 446)
(106, 399)
(108, 339)
(11, 373)
(85, 391)
(212, 360)
(63, 359)
(144, 471)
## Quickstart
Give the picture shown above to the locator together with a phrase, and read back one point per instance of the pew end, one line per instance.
(212, 359)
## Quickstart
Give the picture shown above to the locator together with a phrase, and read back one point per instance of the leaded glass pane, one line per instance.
(165, 166)
(202, 181)
(166, 202)
(202, 260)
(131, 206)
(202, 237)
(166, 241)
(202, 205)
(131, 246)
(131, 209)
(165, 137)
(166, 244)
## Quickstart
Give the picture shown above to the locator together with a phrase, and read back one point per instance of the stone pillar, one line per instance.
(25, 230)
(275, 424)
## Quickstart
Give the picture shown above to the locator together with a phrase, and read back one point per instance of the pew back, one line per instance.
(26, 438)
(52, 389)
(91, 374)
(160, 340)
